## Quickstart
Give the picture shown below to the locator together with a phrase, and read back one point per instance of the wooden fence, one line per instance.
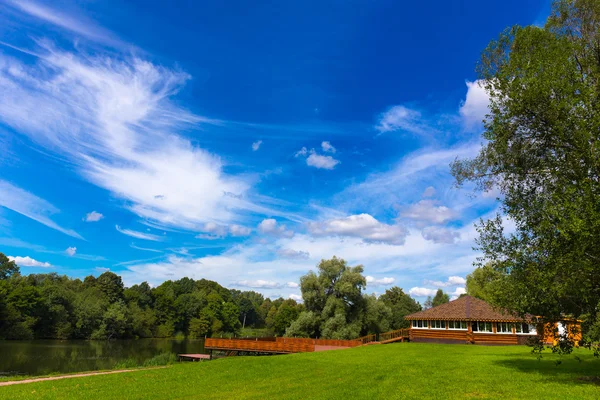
(321, 342)
(258, 346)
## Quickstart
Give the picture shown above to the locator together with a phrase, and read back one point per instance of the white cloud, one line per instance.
(440, 235)
(327, 147)
(71, 251)
(452, 281)
(402, 184)
(295, 297)
(133, 246)
(456, 294)
(401, 118)
(379, 282)
(457, 280)
(256, 145)
(362, 226)
(114, 121)
(21, 201)
(429, 192)
(293, 254)
(420, 291)
(317, 160)
(79, 24)
(301, 153)
(270, 226)
(429, 211)
(214, 229)
(238, 230)
(259, 284)
(475, 107)
(292, 285)
(93, 217)
(28, 262)
(321, 162)
(102, 269)
(139, 235)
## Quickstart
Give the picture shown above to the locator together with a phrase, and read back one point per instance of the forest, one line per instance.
(335, 305)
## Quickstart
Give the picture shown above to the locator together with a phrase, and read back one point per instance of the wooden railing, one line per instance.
(368, 339)
(258, 346)
(400, 333)
(321, 342)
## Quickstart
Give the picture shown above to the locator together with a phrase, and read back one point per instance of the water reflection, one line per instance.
(40, 357)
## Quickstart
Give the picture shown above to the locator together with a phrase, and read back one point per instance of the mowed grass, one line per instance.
(394, 371)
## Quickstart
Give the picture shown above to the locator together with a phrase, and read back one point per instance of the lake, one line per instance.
(41, 357)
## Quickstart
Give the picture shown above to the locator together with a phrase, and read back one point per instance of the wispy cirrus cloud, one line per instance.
(25, 203)
(113, 119)
(403, 118)
(139, 235)
(77, 24)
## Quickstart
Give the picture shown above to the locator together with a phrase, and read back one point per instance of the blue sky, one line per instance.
(244, 141)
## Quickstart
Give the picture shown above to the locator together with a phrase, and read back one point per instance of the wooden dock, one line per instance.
(193, 357)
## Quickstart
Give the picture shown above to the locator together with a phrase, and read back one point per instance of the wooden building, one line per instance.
(471, 320)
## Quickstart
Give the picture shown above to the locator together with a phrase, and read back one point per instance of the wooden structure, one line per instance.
(193, 357)
(278, 345)
(471, 320)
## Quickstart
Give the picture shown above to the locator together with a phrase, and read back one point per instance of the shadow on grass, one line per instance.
(568, 371)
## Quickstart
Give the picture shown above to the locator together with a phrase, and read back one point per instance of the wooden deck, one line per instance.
(283, 345)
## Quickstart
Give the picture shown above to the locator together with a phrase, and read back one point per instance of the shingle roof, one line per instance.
(465, 308)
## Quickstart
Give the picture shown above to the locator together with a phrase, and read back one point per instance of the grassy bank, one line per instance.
(396, 371)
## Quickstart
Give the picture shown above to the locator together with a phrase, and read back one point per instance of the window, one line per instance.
(481, 326)
(528, 329)
(419, 323)
(503, 327)
(457, 325)
(438, 324)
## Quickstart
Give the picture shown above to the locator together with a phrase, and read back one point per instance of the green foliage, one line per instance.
(377, 316)
(483, 282)
(53, 306)
(400, 305)
(7, 267)
(440, 298)
(57, 307)
(160, 359)
(306, 325)
(335, 297)
(542, 152)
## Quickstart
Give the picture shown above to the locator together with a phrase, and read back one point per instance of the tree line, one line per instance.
(58, 307)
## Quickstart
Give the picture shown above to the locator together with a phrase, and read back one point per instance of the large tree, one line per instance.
(439, 298)
(400, 305)
(483, 282)
(333, 301)
(542, 152)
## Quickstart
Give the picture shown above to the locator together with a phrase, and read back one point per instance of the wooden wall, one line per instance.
(428, 335)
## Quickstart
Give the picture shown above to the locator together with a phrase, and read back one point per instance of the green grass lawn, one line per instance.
(395, 371)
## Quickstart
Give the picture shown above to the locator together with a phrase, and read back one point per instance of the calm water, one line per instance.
(40, 357)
